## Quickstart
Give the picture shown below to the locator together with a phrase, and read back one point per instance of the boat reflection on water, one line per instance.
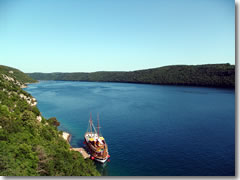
(102, 168)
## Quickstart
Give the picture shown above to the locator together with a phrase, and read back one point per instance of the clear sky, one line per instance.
(115, 35)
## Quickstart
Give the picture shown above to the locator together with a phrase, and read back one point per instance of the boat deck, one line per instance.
(82, 151)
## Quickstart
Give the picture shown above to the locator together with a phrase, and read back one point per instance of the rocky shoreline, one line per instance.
(66, 136)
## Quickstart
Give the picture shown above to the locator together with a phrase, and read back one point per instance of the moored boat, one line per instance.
(96, 143)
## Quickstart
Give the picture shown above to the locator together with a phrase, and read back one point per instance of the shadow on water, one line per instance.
(79, 142)
(102, 168)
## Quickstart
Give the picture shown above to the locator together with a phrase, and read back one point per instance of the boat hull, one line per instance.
(101, 160)
(92, 153)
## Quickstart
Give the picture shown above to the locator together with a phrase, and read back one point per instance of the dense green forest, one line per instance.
(211, 75)
(31, 145)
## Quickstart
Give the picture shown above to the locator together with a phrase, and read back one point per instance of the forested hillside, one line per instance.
(211, 75)
(16, 74)
(31, 145)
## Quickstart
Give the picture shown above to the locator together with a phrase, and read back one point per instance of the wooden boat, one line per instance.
(95, 143)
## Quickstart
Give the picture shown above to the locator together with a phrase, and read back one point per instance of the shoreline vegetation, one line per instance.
(208, 75)
(31, 145)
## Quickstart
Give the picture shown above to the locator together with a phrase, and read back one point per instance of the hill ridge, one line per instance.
(210, 75)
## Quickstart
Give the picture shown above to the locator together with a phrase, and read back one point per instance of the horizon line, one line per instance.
(133, 70)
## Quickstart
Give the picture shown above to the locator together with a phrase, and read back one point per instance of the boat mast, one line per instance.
(98, 123)
(91, 122)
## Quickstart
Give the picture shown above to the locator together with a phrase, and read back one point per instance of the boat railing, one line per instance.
(93, 147)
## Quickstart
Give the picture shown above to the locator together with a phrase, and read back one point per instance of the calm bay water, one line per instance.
(150, 129)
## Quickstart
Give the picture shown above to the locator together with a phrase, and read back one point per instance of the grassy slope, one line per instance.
(213, 75)
(29, 147)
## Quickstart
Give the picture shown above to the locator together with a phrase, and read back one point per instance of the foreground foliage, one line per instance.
(30, 147)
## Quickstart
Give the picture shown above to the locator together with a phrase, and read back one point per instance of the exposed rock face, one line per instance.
(14, 80)
(8, 78)
(66, 136)
(30, 100)
(39, 118)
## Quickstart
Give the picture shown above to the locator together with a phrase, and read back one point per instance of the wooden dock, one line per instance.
(82, 151)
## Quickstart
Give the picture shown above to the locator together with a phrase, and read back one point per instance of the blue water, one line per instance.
(150, 129)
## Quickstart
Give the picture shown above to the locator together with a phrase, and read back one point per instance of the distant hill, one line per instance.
(16, 74)
(211, 75)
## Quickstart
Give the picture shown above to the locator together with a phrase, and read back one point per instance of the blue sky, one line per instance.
(109, 35)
